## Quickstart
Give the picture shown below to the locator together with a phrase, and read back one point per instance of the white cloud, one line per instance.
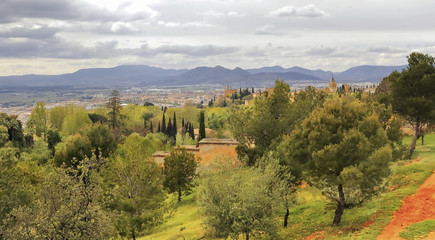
(194, 24)
(123, 27)
(212, 14)
(308, 11)
(235, 14)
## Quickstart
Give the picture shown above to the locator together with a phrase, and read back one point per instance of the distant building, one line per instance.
(332, 85)
(159, 156)
(229, 92)
(208, 149)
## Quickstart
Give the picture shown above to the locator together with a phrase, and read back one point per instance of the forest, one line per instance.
(307, 162)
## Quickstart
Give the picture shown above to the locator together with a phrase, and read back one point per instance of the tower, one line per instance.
(332, 85)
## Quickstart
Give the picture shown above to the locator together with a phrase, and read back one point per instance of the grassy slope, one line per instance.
(314, 214)
(185, 222)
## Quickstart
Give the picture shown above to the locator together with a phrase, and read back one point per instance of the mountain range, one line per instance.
(142, 76)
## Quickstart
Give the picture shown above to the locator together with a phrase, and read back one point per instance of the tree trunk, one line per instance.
(247, 235)
(133, 236)
(179, 194)
(340, 206)
(414, 141)
(422, 139)
(287, 213)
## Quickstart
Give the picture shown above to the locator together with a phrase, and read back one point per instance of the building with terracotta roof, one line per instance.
(207, 150)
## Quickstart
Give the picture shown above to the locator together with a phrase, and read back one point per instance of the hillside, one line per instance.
(364, 222)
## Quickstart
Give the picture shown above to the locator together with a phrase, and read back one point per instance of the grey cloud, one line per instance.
(29, 31)
(196, 51)
(308, 11)
(267, 30)
(385, 49)
(61, 48)
(321, 51)
(56, 48)
(79, 10)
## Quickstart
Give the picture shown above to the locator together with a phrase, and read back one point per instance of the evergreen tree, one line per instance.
(151, 127)
(182, 122)
(53, 138)
(174, 126)
(413, 94)
(169, 128)
(114, 105)
(163, 129)
(201, 126)
(158, 128)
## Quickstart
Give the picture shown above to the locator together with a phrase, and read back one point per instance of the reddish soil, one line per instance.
(416, 208)
(316, 236)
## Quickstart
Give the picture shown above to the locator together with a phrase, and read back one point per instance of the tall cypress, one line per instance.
(163, 124)
(169, 128)
(158, 128)
(174, 126)
(201, 133)
(182, 122)
(192, 131)
(151, 127)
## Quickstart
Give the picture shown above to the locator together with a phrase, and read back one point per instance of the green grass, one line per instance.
(314, 214)
(184, 223)
(418, 230)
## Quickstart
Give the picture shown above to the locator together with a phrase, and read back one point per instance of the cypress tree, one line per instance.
(151, 127)
(182, 122)
(158, 128)
(163, 124)
(174, 126)
(201, 126)
(169, 128)
(192, 131)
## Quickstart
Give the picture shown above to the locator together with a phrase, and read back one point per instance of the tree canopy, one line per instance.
(413, 94)
(343, 149)
(179, 170)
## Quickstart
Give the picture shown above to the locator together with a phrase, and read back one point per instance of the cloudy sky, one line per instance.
(60, 36)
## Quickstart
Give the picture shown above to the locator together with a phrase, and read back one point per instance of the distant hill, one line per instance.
(367, 73)
(125, 75)
(142, 75)
(274, 69)
(237, 76)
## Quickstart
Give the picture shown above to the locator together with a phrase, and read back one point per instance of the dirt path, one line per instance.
(416, 208)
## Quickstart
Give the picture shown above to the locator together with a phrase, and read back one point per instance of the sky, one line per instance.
(62, 36)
